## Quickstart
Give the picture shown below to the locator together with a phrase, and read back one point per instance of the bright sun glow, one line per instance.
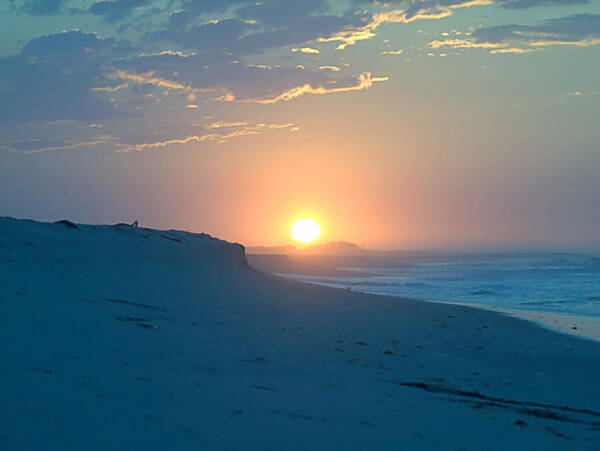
(305, 230)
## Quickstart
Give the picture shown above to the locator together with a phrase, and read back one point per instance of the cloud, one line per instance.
(235, 130)
(167, 52)
(463, 44)
(365, 81)
(110, 88)
(308, 50)
(207, 50)
(416, 7)
(331, 68)
(236, 82)
(51, 79)
(149, 78)
(260, 66)
(578, 94)
(215, 35)
(190, 10)
(350, 35)
(419, 10)
(215, 125)
(42, 7)
(278, 12)
(513, 50)
(523, 4)
(252, 27)
(439, 9)
(393, 52)
(428, 9)
(192, 52)
(580, 30)
(39, 146)
(66, 45)
(576, 28)
(299, 33)
(115, 10)
(219, 132)
(585, 42)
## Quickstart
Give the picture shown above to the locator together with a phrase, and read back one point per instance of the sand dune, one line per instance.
(116, 337)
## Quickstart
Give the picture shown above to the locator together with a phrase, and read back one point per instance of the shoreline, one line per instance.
(585, 327)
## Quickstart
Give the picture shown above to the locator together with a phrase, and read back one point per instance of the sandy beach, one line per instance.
(116, 337)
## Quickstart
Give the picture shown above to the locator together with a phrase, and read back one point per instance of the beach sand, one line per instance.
(123, 338)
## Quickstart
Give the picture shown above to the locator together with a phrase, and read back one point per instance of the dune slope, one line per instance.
(115, 337)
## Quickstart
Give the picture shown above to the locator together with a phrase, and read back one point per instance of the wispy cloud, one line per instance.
(260, 66)
(393, 52)
(365, 81)
(464, 44)
(331, 68)
(235, 130)
(578, 94)
(580, 30)
(351, 35)
(307, 50)
(513, 50)
(216, 125)
(523, 4)
(585, 42)
(167, 52)
(31, 147)
(115, 10)
(418, 10)
(150, 78)
(110, 88)
(438, 9)
(42, 7)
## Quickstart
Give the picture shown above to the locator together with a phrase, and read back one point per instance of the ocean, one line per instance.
(553, 283)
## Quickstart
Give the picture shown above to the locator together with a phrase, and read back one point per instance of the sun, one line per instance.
(305, 230)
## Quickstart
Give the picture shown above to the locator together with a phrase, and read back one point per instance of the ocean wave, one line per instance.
(370, 284)
(540, 303)
(417, 285)
(554, 283)
(594, 263)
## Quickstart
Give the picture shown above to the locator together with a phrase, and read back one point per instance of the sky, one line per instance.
(451, 124)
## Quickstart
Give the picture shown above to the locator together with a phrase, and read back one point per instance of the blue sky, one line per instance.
(444, 123)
